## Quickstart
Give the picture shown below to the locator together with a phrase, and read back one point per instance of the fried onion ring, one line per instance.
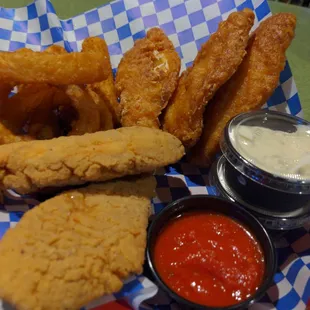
(16, 110)
(7, 136)
(106, 118)
(104, 89)
(88, 115)
(88, 118)
(53, 68)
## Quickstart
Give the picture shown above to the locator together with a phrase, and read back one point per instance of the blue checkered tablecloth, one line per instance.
(188, 23)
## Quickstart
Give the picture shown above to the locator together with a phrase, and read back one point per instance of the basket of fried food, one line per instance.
(69, 124)
(66, 94)
(56, 92)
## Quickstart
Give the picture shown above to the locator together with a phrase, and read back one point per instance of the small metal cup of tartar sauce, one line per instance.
(266, 167)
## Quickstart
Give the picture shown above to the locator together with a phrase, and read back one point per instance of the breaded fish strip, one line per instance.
(215, 63)
(104, 89)
(146, 78)
(76, 246)
(29, 166)
(251, 86)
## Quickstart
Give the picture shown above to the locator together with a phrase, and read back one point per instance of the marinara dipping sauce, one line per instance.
(209, 259)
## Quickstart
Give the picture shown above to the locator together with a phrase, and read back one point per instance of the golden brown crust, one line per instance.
(42, 121)
(15, 111)
(54, 49)
(105, 89)
(215, 63)
(251, 86)
(7, 136)
(34, 105)
(55, 69)
(76, 246)
(146, 78)
(88, 119)
(5, 89)
(29, 166)
(106, 117)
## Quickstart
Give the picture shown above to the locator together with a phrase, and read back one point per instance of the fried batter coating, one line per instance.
(88, 116)
(76, 246)
(251, 86)
(215, 63)
(17, 109)
(43, 122)
(106, 117)
(34, 102)
(88, 120)
(29, 166)
(104, 89)
(7, 136)
(146, 78)
(55, 69)
(55, 49)
(5, 89)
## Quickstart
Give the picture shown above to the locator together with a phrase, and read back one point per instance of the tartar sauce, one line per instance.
(277, 152)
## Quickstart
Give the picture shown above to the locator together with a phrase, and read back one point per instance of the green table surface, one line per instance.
(298, 54)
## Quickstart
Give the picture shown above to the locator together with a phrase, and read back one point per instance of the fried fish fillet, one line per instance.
(105, 89)
(215, 63)
(146, 78)
(76, 246)
(251, 85)
(29, 166)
